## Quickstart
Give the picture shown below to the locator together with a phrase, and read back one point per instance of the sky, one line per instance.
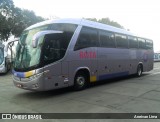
(141, 17)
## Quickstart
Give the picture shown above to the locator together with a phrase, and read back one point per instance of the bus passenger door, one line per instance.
(52, 55)
(52, 76)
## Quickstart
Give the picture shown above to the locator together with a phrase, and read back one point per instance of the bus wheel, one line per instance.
(139, 70)
(80, 81)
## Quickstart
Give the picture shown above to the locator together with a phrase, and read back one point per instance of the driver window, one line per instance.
(52, 50)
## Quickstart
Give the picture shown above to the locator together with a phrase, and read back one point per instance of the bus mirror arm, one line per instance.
(40, 34)
(10, 42)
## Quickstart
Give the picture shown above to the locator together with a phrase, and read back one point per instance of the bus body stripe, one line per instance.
(114, 75)
(23, 74)
(93, 78)
(28, 74)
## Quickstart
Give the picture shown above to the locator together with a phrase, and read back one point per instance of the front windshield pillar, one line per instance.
(1, 55)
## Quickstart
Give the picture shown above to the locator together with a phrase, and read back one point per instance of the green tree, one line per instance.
(92, 19)
(109, 22)
(106, 21)
(6, 7)
(23, 19)
(14, 20)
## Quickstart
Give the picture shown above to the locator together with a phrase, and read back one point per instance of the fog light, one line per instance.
(35, 85)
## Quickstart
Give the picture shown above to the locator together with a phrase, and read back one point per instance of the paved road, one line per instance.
(125, 95)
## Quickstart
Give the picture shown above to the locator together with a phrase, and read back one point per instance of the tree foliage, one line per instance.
(6, 7)
(106, 21)
(14, 20)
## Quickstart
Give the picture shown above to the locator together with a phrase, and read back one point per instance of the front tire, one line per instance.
(80, 81)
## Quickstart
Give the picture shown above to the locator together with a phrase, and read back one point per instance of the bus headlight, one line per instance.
(35, 76)
(32, 77)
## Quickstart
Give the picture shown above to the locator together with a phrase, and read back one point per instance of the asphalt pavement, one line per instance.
(123, 95)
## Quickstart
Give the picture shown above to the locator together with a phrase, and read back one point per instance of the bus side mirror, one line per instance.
(40, 34)
(11, 42)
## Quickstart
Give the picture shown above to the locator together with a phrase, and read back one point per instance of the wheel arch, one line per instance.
(84, 70)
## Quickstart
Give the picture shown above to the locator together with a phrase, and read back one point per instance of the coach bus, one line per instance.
(74, 52)
(157, 56)
(6, 55)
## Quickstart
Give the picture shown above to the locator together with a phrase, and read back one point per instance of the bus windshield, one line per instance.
(1, 55)
(50, 47)
(26, 55)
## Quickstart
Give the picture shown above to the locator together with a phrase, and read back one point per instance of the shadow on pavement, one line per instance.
(69, 90)
(6, 74)
(44, 94)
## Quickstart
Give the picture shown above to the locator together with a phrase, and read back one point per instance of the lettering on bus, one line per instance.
(88, 55)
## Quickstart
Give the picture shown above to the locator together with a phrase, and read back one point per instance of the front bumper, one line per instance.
(33, 83)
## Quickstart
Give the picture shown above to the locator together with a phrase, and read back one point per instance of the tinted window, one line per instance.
(133, 42)
(121, 41)
(1, 55)
(63, 27)
(88, 38)
(142, 43)
(55, 46)
(107, 39)
(149, 44)
(69, 29)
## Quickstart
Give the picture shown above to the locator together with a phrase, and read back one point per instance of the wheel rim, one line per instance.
(80, 81)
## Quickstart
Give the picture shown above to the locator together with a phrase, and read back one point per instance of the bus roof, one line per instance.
(84, 22)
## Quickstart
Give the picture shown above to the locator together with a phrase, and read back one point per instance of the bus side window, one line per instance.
(107, 39)
(51, 49)
(88, 38)
(149, 44)
(55, 46)
(121, 41)
(142, 43)
(133, 42)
